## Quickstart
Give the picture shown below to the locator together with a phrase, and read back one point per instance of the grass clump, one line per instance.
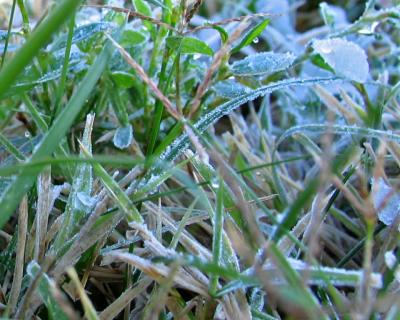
(199, 160)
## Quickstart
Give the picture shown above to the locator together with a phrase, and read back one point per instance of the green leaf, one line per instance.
(187, 45)
(131, 38)
(123, 79)
(144, 8)
(250, 36)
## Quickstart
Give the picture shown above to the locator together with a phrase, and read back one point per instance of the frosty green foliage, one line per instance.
(346, 58)
(263, 63)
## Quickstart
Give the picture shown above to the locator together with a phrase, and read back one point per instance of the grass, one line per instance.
(199, 160)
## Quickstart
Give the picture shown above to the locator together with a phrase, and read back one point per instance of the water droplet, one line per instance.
(214, 183)
(27, 134)
(256, 40)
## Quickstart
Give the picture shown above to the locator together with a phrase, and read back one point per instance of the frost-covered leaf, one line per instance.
(230, 89)
(346, 58)
(77, 208)
(46, 291)
(189, 45)
(84, 32)
(262, 63)
(386, 201)
(316, 275)
(123, 137)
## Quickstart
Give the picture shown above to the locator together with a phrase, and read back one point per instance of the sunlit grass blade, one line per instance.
(90, 312)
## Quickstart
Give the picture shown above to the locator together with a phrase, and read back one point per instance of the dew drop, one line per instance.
(27, 134)
(214, 183)
(256, 40)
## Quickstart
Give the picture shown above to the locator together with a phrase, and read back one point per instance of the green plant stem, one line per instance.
(25, 17)
(8, 33)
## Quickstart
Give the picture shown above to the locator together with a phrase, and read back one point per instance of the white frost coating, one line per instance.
(56, 191)
(390, 259)
(397, 274)
(345, 57)
(33, 268)
(123, 137)
(386, 201)
(230, 89)
(263, 63)
(86, 200)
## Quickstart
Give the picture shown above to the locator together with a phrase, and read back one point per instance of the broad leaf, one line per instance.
(345, 57)
(189, 45)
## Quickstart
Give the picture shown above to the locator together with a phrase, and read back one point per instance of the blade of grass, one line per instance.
(218, 225)
(90, 312)
(120, 161)
(11, 149)
(116, 192)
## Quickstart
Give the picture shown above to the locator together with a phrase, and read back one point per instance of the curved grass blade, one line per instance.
(339, 129)
(182, 142)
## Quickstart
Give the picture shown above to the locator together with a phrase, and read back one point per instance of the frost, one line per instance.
(123, 137)
(263, 63)
(85, 201)
(230, 89)
(346, 58)
(390, 259)
(386, 201)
